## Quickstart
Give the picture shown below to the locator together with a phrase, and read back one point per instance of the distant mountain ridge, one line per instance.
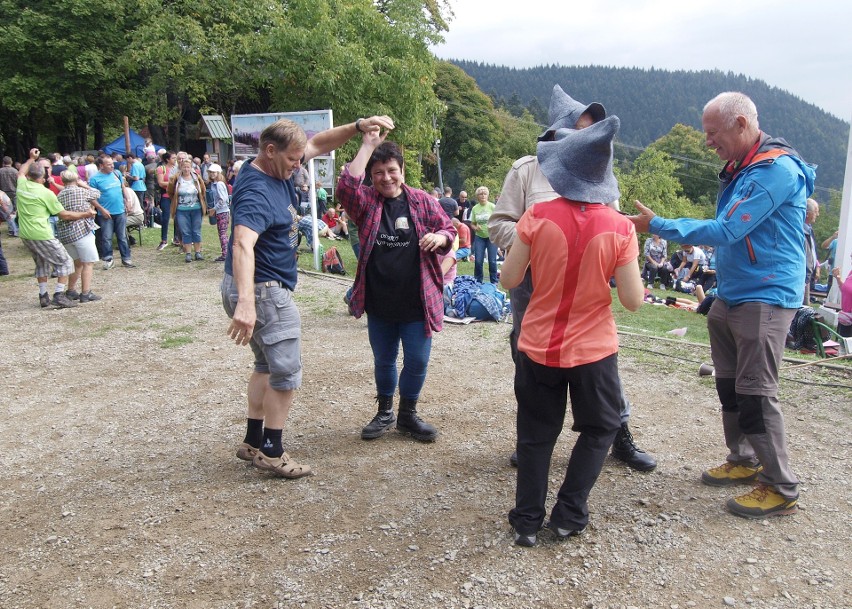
(650, 102)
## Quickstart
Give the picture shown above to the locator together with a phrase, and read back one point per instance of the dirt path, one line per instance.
(120, 488)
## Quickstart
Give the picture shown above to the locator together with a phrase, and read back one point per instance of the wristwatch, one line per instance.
(358, 125)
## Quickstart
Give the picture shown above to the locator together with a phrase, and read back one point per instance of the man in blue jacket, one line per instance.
(760, 272)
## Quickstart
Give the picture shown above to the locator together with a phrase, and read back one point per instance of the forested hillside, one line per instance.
(651, 102)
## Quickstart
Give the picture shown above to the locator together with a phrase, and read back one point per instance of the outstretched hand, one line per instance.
(374, 138)
(642, 221)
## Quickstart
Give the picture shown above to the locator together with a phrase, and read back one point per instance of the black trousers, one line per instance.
(542, 393)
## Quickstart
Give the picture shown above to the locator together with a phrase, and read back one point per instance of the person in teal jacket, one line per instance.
(760, 268)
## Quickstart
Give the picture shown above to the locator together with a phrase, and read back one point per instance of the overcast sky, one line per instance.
(804, 48)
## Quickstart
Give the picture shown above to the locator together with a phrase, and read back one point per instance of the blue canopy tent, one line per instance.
(137, 145)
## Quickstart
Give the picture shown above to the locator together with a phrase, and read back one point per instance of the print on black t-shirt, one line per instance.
(393, 270)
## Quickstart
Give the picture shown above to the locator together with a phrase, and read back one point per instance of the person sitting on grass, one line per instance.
(463, 252)
(335, 223)
(305, 226)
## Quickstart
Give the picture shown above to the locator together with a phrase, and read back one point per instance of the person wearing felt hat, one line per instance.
(524, 186)
(572, 245)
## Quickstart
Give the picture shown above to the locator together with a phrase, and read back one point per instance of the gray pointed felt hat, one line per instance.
(578, 162)
(564, 111)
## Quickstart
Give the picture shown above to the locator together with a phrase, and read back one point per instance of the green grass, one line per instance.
(649, 320)
(178, 337)
(654, 320)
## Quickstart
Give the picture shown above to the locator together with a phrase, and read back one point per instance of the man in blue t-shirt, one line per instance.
(260, 276)
(111, 215)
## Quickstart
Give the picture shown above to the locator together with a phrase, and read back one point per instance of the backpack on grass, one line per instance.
(332, 262)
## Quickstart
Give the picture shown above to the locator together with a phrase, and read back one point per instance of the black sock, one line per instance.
(254, 432)
(271, 446)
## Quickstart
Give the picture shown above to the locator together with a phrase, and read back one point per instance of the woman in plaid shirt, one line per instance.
(399, 282)
(78, 236)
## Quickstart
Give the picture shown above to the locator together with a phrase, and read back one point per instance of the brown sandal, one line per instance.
(247, 452)
(282, 466)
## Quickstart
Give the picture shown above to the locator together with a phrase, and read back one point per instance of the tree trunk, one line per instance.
(80, 131)
(98, 128)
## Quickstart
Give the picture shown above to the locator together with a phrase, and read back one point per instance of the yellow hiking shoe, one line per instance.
(729, 474)
(763, 501)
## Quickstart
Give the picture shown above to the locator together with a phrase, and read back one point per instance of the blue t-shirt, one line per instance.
(112, 199)
(137, 170)
(267, 206)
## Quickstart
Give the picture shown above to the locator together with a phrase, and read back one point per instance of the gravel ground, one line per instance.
(120, 487)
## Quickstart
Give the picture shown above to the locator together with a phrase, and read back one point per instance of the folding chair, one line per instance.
(826, 347)
(138, 230)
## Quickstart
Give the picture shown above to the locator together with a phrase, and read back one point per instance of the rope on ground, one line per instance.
(799, 363)
(330, 276)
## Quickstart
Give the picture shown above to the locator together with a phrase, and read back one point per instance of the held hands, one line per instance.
(376, 123)
(642, 221)
(375, 130)
(432, 241)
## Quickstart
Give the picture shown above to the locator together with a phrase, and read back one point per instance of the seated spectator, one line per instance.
(655, 252)
(690, 266)
(133, 209)
(335, 223)
(306, 228)
(708, 269)
(844, 317)
(463, 252)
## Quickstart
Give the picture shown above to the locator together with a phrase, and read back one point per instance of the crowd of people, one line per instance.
(154, 190)
(565, 244)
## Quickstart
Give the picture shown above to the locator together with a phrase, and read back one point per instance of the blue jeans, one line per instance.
(165, 216)
(189, 221)
(116, 225)
(385, 337)
(4, 267)
(480, 244)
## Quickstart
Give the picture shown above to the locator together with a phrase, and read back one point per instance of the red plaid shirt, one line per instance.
(363, 205)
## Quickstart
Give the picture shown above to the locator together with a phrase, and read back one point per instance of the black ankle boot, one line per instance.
(625, 449)
(383, 420)
(410, 423)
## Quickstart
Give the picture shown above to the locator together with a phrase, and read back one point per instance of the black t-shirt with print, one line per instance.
(393, 270)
